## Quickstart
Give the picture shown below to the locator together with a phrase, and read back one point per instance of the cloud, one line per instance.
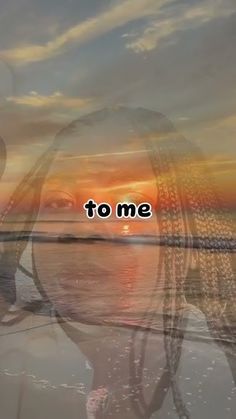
(57, 99)
(176, 20)
(228, 122)
(116, 16)
(218, 124)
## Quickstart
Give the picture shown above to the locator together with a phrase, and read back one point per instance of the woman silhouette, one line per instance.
(127, 305)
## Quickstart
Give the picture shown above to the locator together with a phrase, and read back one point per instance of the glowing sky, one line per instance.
(61, 59)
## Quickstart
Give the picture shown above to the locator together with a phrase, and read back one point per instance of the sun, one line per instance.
(126, 229)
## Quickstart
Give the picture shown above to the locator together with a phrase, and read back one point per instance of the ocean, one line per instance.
(99, 332)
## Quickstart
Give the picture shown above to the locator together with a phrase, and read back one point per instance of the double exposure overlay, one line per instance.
(118, 102)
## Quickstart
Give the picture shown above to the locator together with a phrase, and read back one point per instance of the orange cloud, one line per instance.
(56, 99)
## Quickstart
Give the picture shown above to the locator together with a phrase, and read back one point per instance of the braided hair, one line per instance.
(188, 210)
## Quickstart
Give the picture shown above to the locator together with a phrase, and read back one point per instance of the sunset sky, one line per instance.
(62, 59)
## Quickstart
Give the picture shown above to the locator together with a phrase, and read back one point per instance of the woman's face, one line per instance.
(97, 280)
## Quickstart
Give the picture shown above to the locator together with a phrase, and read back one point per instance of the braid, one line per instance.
(217, 277)
(186, 200)
(179, 183)
(171, 224)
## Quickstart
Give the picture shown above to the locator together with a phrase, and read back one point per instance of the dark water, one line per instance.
(115, 281)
